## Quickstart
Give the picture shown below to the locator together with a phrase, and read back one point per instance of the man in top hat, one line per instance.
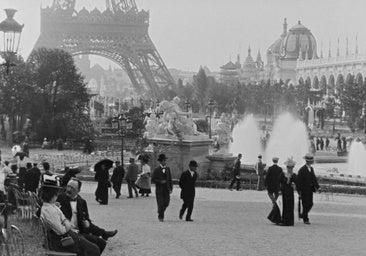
(117, 178)
(75, 209)
(272, 180)
(163, 186)
(306, 184)
(131, 177)
(259, 168)
(187, 183)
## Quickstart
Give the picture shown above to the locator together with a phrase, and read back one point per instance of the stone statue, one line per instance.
(222, 132)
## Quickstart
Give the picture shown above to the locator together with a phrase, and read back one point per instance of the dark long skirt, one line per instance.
(288, 206)
(101, 194)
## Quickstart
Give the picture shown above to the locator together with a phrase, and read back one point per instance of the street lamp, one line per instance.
(211, 103)
(10, 31)
(124, 124)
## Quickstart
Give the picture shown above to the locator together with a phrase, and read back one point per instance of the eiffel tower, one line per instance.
(119, 33)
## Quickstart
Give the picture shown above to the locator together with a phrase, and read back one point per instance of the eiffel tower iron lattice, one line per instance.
(120, 33)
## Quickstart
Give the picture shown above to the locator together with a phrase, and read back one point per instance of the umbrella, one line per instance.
(107, 162)
(299, 208)
(15, 149)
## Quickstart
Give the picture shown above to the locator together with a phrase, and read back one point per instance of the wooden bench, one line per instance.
(46, 242)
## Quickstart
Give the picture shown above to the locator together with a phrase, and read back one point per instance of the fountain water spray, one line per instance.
(357, 159)
(246, 140)
(288, 138)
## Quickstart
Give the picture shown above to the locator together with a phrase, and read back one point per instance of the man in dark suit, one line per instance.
(236, 173)
(163, 186)
(272, 180)
(306, 184)
(32, 177)
(117, 177)
(75, 209)
(187, 183)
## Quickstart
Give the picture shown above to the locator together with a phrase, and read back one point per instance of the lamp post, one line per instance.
(211, 103)
(124, 124)
(10, 31)
(9, 38)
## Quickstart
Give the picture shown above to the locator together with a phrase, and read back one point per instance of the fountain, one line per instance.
(357, 159)
(288, 138)
(246, 140)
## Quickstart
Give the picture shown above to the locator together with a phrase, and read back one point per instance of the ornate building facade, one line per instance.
(296, 43)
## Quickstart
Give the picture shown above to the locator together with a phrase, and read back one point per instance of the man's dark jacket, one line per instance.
(81, 207)
(306, 181)
(187, 183)
(272, 180)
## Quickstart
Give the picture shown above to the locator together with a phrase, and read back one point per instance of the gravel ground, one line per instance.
(229, 223)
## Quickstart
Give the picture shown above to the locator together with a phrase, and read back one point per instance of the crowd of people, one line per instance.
(65, 212)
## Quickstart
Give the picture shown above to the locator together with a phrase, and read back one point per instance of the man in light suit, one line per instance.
(187, 183)
(163, 186)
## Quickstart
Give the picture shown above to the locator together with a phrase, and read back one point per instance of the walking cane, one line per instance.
(299, 208)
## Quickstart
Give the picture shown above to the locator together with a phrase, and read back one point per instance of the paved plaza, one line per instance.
(229, 223)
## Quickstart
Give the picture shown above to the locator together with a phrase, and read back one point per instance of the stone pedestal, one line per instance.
(219, 163)
(179, 153)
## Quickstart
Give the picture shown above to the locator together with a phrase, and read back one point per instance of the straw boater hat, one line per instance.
(290, 162)
(309, 158)
(275, 159)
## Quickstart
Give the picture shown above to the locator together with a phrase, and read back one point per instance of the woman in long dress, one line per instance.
(144, 182)
(287, 182)
(102, 176)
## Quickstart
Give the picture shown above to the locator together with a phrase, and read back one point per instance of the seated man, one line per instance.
(75, 209)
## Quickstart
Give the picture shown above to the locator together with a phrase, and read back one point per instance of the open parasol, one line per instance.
(107, 162)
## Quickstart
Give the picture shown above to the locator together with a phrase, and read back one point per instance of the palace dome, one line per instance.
(298, 38)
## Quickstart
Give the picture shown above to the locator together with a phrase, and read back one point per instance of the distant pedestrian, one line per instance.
(48, 175)
(131, 177)
(163, 186)
(236, 173)
(306, 185)
(317, 143)
(117, 178)
(144, 181)
(321, 143)
(344, 142)
(259, 168)
(187, 183)
(327, 143)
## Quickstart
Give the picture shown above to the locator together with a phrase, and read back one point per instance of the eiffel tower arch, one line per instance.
(119, 33)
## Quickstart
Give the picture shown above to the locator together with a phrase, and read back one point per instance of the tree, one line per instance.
(201, 84)
(16, 95)
(60, 108)
(352, 98)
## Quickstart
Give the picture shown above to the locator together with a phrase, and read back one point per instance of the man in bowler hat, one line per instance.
(306, 185)
(187, 183)
(163, 186)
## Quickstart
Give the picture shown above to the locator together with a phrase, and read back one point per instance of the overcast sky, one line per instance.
(190, 33)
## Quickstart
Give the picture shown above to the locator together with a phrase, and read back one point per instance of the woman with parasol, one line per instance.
(102, 176)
